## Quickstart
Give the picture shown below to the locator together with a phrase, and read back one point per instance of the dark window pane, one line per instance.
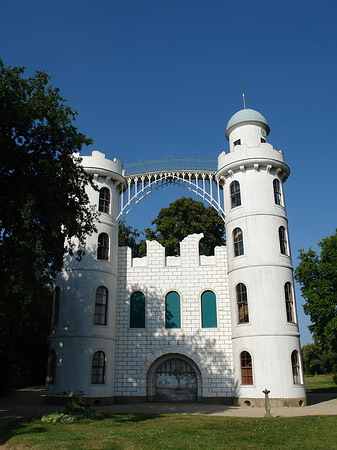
(104, 200)
(208, 310)
(137, 310)
(172, 310)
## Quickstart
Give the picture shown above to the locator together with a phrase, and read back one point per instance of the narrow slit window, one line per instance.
(104, 200)
(237, 142)
(242, 302)
(246, 368)
(235, 194)
(238, 242)
(57, 305)
(98, 368)
(101, 306)
(277, 192)
(295, 367)
(288, 294)
(103, 247)
(283, 241)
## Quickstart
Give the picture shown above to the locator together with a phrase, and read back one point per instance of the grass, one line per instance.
(320, 383)
(176, 432)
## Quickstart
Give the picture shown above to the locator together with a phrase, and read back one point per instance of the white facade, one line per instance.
(236, 330)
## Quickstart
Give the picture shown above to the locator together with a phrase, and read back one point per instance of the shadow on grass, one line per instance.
(19, 427)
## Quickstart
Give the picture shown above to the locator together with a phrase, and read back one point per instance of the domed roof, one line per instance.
(249, 116)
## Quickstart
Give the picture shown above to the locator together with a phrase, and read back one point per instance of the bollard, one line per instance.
(267, 403)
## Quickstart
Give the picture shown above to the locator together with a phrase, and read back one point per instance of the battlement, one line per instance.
(189, 255)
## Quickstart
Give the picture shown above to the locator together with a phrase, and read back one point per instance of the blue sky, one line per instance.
(160, 79)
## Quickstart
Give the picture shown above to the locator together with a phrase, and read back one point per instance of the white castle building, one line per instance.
(216, 328)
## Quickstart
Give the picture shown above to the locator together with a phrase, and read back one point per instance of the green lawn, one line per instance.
(320, 383)
(151, 432)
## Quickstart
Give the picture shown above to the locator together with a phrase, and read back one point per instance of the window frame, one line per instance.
(289, 302)
(242, 304)
(103, 250)
(104, 200)
(180, 315)
(296, 367)
(238, 245)
(101, 306)
(235, 194)
(278, 197)
(97, 370)
(130, 314)
(246, 371)
(282, 234)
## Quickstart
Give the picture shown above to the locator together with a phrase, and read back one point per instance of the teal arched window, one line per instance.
(208, 310)
(137, 310)
(172, 310)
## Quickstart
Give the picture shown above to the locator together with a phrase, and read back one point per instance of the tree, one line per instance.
(317, 275)
(183, 217)
(44, 209)
(129, 237)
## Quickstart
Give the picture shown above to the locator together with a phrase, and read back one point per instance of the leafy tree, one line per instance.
(317, 275)
(129, 237)
(44, 210)
(183, 217)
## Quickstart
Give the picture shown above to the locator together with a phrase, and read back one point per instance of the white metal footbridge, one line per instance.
(196, 175)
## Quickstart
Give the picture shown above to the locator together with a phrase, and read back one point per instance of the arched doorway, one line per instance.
(174, 379)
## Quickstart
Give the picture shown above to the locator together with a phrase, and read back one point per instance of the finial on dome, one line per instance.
(244, 101)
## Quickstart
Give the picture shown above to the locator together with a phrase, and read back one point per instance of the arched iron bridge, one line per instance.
(196, 175)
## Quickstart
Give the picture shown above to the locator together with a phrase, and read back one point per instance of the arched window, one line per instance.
(103, 247)
(57, 305)
(283, 241)
(137, 310)
(277, 192)
(104, 200)
(241, 298)
(98, 368)
(288, 295)
(208, 310)
(52, 367)
(295, 367)
(235, 194)
(238, 242)
(246, 368)
(101, 305)
(172, 310)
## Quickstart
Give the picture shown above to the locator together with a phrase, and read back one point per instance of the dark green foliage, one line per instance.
(318, 360)
(183, 217)
(43, 207)
(317, 275)
(129, 237)
(75, 405)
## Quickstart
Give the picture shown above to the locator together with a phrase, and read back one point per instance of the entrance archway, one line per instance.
(174, 378)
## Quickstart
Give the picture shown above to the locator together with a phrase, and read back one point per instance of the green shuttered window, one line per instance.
(208, 310)
(172, 310)
(137, 310)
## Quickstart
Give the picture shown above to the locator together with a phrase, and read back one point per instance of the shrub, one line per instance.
(334, 377)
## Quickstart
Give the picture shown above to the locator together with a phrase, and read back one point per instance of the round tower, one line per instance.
(266, 346)
(82, 344)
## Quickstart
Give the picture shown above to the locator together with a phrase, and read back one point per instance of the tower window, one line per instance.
(104, 200)
(52, 367)
(288, 294)
(98, 368)
(277, 192)
(235, 194)
(137, 310)
(103, 247)
(208, 310)
(57, 305)
(295, 367)
(172, 310)
(237, 142)
(283, 241)
(101, 305)
(242, 302)
(246, 368)
(238, 242)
